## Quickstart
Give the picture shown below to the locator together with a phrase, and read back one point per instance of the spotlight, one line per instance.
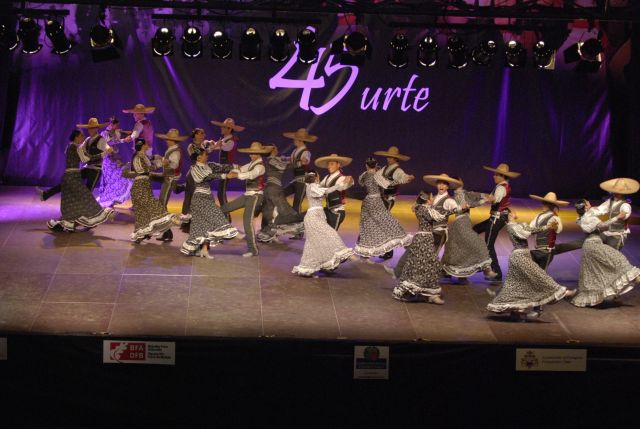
(221, 45)
(590, 55)
(8, 38)
(280, 46)
(543, 56)
(192, 43)
(355, 43)
(457, 53)
(352, 49)
(55, 32)
(428, 52)
(398, 53)
(516, 54)
(307, 46)
(104, 43)
(29, 32)
(250, 44)
(484, 52)
(162, 42)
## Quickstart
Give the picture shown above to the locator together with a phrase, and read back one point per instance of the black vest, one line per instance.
(387, 173)
(92, 150)
(299, 170)
(334, 199)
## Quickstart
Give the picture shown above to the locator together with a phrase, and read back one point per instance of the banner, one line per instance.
(145, 352)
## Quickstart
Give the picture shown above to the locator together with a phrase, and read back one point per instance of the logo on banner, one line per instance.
(149, 352)
(551, 359)
(407, 98)
(371, 362)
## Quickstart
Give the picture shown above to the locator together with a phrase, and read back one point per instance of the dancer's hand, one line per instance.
(490, 198)
(410, 178)
(165, 162)
(622, 215)
(232, 175)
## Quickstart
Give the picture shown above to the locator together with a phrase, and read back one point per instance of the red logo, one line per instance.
(127, 351)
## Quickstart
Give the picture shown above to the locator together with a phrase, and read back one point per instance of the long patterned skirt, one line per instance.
(114, 189)
(323, 248)
(526, 286)
(151, 217)
(604, 273)
(465, 253)
(380, 232)
(208, 224)
(419, 278)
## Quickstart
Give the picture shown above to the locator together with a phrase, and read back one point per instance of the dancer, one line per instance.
(500, 199)
(380, 232)
(300, 159)
(143, 127)
(617, 207)
(465, 253)
(77, 205)
(151, 217)
(335, 201)
(392, 172)
(208, 224)
(527, 287)
(546, 241)
(171, 170)
(114, 189)
(252, 173)
(228, 147)
(605, 273)
(323, 250)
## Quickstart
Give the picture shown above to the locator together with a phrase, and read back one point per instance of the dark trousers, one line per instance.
(491, 227)
(569, 246)
(168, 186)
(543, 258)
(222, 195)
(334, 219)
(251, 205)
(91, 177)
(189, 189)
(298, 190)
(615, 241)
(388, 202)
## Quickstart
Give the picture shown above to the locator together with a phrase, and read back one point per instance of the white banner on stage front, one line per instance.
(146, 352)
(371, 362)
(574, 360)
(3, 349)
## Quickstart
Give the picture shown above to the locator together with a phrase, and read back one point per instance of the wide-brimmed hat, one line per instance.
(140, 108)
(433, 180)
(503, 169)
(173, 135)
(301, 135)
(550, 198)
(256, 148)
(621, 185)
(392, 152)
(92, 123)
(323, 161)
(230, 123)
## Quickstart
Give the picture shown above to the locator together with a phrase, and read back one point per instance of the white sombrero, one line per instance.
(550, 198)
(433, 180)
(256, 148)
(622, 185)
(140, 108)
(173, 135)
(229, 123)
(324, 160)
(392, 152)
(92, 123)
(503, 169)
(301, 135)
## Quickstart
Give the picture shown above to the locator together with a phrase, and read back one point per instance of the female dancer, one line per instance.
(323, 248)
(77, 205)
(208, 223)
(151, 217)
(380, 232)
(114, 189)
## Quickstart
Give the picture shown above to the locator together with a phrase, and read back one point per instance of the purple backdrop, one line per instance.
(552, 126)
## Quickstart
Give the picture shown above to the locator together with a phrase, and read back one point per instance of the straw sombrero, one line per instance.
(622, 185)
(256, 148)
(433, 179)
(228, 123)
(92, 123)
(393, 152)
(301, 135)
(502, 169)
(324, 160)
(550, 198)
(140, 108)
(173, 135)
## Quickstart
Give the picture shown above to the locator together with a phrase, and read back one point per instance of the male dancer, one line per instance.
(619, 208)
(300, 160)
(228, 147)
(143, 127)
(335, 201)
(546, 240)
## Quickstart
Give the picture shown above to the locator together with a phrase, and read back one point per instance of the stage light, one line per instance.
(355, 43)
(515, 54)
(484, 52)
(192, 43)
(162, 42)
(8, 38)
(428, 52)
(29, 33)
(307, 46)
(104, 43)
(543, 56)
(352, 49)
(457, 53)
(221, 45)
(590, 53)
(398, 51)
(279, 45)
(55, 32)
(250, 45)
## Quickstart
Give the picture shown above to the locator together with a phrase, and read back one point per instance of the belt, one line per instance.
(141, 176)
(373, 196)
(71, 169)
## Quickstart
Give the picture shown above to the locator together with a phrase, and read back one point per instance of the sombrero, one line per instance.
(433, 179)
(393, 152)
(622, 185)
(173, 135)
(230, 123)
(140, 108)
(503, 169)
(301, 135)
(92, 123)
(550, 198)
(324, 160)
(256, 148)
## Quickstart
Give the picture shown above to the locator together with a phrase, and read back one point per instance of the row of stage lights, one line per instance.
(352, 48)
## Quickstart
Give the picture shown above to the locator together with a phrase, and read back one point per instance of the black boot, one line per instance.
(180, 187)
(166, 236)
(387, 255)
